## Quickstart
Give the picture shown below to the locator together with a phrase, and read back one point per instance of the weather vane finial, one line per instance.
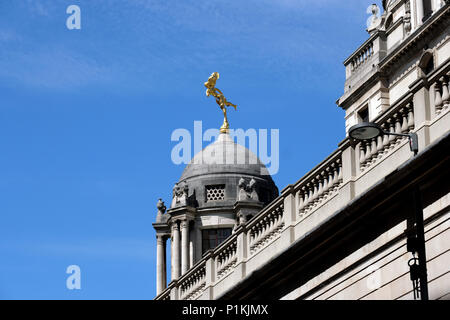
(211, 90)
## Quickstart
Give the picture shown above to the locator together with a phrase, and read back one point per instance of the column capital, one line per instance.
(174, 226)
(184, 223)
(161, 238)
(181, 216)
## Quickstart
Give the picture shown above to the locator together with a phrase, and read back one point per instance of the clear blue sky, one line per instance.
(86, 117)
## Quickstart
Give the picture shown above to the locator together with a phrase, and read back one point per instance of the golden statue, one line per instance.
(211, 90)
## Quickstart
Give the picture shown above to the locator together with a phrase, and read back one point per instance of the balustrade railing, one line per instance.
(192, 284)
(266, 226)
(442, 94)
(397, 120)
(319, 185)
(165, 295)
(362, 56)
(226, 258)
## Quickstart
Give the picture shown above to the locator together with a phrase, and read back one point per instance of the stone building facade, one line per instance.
(340, 232)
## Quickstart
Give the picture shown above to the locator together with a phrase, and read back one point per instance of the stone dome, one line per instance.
(213, 175)
(224, 156)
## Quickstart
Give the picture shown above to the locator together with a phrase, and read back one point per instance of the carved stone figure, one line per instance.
(407, 18)
(180, 195)
(161, 210)
(374, 21)
(247, 190)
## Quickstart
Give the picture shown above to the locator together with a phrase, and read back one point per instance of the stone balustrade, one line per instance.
(226, 257)
(193, 283)
(442, 94)
(165, 296)
(397, 120)
(267, 227)
(259, 231)
(319, 185)
(363, 60)
(362, 56)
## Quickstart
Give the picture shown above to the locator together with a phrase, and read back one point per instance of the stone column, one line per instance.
(164, 276)
(198, 240)
(184, 246)
(175, 254)
(419, 12)
(191, 253)
(160, 263)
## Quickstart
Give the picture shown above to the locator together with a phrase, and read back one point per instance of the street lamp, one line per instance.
(370, 130)
(416, 235)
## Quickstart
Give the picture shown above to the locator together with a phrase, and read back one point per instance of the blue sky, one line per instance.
(86, 118)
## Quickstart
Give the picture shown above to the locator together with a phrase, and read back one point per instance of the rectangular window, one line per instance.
(363, 115)
(427, 9)
(211, 238)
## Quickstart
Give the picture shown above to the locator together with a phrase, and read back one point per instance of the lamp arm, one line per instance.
(412, 136)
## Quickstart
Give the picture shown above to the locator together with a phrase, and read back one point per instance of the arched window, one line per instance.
(389, 21)
(426, 62)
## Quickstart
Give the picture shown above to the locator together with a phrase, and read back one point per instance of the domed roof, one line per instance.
(224, 156)
(223, 166)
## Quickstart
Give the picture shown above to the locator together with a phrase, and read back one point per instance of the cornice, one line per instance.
(418, 38)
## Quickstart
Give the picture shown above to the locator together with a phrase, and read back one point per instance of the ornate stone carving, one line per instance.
(174, 227)
(184, 224)
(161, 207)
(407, 18)
(247, 191)
(242, 219)
(374, 21)
(161, 210)
(180, 195)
